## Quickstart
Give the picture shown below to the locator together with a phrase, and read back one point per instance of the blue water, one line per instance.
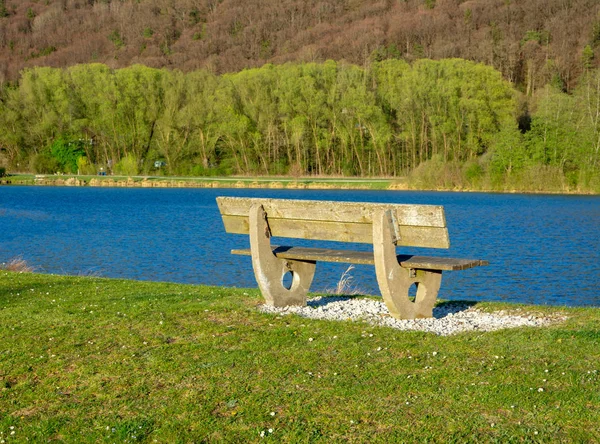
(542, 249)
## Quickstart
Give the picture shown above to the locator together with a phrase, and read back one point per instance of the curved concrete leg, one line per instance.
(270, 270)
(395, 281)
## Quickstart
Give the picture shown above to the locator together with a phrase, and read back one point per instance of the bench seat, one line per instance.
(367, 258)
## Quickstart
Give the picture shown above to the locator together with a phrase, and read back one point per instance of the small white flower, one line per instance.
(270, 430)
(272, 413)
(262, 433)
(540, 389)
(434, 353)
(310, 339)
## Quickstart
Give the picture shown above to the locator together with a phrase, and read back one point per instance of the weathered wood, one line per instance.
(352, 212)
(417, 225)
(367, 258)
(425, 237)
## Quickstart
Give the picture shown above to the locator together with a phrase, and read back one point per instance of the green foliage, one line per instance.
(195, 16)
(116, 39)
(541, 37)
(306, 119)
(595, 37)
(127, 166)
(2, 171)
(84, 166)
(390, 51)
(148, 32)
(3, 10)
(30, 14)
(45, 163)
(67, 154)
(473, 172)
(42, 52)
(587, 57)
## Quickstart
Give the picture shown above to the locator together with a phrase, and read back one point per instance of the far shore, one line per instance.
(273, 182)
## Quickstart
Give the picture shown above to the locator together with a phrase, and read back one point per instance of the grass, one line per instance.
(220, 182)
(86, 359)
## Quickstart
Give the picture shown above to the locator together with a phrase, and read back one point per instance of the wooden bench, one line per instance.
(385, 226)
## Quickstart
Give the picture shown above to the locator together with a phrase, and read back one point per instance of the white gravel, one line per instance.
(448, 319)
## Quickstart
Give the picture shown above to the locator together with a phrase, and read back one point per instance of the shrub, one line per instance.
(44, 163)
(473, 172)
(67, 154)
(127, 166)
(84, 167)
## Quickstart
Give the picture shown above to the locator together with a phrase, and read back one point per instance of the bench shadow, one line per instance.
(441, 310)
(325, 300)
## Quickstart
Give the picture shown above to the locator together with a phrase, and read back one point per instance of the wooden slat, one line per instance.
(428, 237)
(353, 212)
(418, 225)
(366, 257)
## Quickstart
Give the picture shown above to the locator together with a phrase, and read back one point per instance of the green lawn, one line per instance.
(228, 182)
(85, 359)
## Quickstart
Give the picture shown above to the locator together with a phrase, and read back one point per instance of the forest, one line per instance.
(448, 123)
(529, 41)
(464, 94)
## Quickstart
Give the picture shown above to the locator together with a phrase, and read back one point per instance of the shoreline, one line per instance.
(310, 183)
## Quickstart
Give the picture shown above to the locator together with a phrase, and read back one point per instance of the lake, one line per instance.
(542, 249)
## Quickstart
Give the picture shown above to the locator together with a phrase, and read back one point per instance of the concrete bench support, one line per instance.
(395, 281)
(270, 270)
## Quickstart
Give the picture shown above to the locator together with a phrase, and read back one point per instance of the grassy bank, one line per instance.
(413, 182)
(206, 182)
(90, 359)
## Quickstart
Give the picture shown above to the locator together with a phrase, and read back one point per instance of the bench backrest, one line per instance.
(417, 225)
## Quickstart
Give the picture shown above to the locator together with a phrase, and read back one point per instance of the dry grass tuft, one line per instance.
(345, 285)
(18, 265)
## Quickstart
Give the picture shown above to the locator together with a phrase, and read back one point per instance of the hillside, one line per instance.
(529, 42)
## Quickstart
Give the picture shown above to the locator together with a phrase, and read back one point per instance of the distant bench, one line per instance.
(385, 226)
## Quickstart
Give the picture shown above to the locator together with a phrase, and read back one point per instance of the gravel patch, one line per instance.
(448, 319)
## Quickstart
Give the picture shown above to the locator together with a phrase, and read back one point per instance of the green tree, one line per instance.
(47, 106)
(67, 154)
(139, 105)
